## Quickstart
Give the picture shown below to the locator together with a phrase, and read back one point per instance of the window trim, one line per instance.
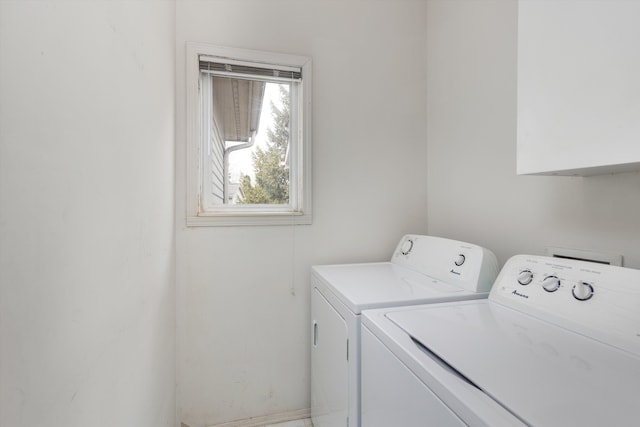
(300, 180)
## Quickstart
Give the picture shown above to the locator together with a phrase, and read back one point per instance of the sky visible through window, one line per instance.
(240, 162)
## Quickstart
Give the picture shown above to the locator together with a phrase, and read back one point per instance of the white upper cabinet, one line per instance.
(578, 87)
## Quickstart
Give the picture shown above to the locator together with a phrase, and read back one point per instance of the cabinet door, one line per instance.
(329, 364)
(578, 87)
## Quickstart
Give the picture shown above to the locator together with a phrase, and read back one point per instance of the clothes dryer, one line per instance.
(422, 269)
(556, 344)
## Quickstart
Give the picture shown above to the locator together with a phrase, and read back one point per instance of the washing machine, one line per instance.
(422, 269)
(556, 344)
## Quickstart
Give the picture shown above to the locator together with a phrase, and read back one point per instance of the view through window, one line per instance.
(258, 171)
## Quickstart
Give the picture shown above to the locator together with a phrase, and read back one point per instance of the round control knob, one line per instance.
(525, 277)
(582, 291)
(406, 247)
(551, 283)
(460, 260)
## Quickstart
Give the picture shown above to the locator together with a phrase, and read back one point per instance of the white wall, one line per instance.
(86, 213)
(243, 299)
(474, 193)
(86, 195)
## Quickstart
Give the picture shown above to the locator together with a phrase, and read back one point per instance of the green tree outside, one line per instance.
(272, 174)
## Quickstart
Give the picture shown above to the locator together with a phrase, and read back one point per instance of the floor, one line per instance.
(296, 423)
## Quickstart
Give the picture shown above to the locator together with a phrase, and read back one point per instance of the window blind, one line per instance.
(231, 67)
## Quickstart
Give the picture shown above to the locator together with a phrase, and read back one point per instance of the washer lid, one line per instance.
(543, 374)
(385, 284)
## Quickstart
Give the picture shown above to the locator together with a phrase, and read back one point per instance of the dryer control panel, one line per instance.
(466, 265)
(597, 300)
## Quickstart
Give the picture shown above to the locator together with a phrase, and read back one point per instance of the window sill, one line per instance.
(248, 219)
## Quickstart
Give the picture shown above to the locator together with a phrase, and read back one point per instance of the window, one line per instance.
(248, 138)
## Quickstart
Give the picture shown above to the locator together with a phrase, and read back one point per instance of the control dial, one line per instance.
(525, 277)
(582, 291)
(406, 247)
(460, 260)
(551, 283)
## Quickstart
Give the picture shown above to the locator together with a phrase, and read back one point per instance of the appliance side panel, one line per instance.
(393, 395)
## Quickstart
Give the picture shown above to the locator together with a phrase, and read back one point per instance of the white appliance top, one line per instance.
(545, 375)
(547, 350)
(423, 269)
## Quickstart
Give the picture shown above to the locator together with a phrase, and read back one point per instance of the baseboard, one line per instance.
(267, 419)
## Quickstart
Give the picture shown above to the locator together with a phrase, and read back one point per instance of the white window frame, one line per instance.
(298, 211)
